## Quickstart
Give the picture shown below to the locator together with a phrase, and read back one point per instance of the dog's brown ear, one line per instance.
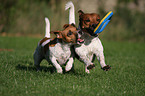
(57, 33)
(80, 12)
(65, 26)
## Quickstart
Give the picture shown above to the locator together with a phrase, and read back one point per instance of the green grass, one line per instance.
(18, 77)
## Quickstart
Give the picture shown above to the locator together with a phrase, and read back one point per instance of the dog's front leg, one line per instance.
(88, 63)
(101, 60)
(69, 64)
(56, 65)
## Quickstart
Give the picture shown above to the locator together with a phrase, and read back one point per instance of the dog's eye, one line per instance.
(69, 33)
(87, 20)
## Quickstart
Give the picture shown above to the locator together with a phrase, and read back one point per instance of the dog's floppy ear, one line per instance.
(57, 33)
(65, 26)
(80, 12)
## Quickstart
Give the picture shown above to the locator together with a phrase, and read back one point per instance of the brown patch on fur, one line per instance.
(88, 21)
(52, 43)
(69, 34)
(6, 50)
(57, 33)
(43, 40)
(68, 25)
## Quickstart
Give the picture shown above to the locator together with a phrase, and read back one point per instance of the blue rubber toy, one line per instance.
(103, 23)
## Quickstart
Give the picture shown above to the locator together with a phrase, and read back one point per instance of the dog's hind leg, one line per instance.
(37, 59)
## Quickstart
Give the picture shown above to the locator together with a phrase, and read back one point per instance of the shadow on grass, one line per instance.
(50, 69)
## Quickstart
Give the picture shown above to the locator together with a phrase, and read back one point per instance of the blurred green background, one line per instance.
(26, 17)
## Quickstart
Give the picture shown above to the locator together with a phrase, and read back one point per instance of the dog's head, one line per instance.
(88, 21)
(70, 34)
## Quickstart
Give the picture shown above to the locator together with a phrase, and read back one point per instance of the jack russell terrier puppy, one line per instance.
(57, 51)
(92, 45)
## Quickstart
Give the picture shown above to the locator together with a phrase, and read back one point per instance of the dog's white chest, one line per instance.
(61, 54)
(94, 46)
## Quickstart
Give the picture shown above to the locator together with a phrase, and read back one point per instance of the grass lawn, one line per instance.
(18, 76)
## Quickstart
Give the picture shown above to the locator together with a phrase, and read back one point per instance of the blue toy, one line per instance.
(103, 23)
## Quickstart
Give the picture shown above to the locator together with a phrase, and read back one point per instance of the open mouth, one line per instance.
(80, 41)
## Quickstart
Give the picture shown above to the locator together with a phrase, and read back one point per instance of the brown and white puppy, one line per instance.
(57, 51)
(92, 46)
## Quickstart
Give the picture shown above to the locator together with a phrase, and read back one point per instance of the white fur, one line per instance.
(88, 49)
(70, 64)
(47, 30)
(71, 8)
(91, 46)
(57, 55)
(46, 42)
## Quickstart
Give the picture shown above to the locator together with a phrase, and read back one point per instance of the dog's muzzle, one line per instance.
(91, 29)
(93, 26)
(79, 40)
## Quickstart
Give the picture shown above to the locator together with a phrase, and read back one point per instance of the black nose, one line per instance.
(94, 25)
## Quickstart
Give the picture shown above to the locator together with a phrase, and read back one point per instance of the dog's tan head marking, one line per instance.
(88, 21)
(68, 35)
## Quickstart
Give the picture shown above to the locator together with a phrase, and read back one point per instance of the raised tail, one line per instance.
(47, 30)
(69, 5)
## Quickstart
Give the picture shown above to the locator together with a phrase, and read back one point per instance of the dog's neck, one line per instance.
(64, 45)
(86, 36)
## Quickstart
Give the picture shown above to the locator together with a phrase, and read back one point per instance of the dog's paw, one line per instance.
(68, 67)
(87, 71)
(90, 66)
(106, 68)
(59, 71)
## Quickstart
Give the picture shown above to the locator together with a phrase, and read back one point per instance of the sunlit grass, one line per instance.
(18, 76)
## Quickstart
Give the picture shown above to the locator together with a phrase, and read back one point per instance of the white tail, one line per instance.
(47, 30)
(69, 5)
